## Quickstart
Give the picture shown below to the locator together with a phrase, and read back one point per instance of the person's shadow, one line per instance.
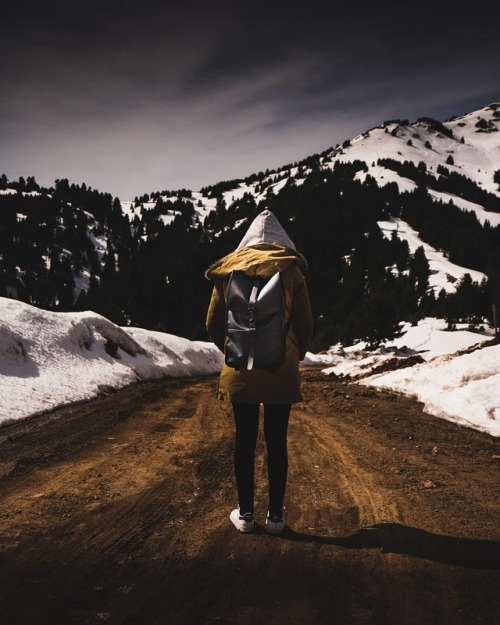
(397, 538)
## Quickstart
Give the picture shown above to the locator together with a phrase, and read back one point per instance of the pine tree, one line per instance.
(379, 318)
(419, 271)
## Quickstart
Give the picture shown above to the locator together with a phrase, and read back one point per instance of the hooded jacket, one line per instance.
(264, 250)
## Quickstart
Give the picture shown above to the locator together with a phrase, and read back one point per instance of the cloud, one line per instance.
(132, 101)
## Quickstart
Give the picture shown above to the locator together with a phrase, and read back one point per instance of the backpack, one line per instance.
(255, 322)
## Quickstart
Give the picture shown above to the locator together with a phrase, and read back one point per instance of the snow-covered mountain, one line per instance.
(468, 145)
(431, 189)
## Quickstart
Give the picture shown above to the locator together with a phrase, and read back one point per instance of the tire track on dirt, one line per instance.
(339, 474)
(126, 519)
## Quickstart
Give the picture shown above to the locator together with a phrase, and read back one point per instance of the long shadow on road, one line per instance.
(400, 539)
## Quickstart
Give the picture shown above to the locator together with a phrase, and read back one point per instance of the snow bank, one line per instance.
(50, 359)
(462, 388)
(459, 387)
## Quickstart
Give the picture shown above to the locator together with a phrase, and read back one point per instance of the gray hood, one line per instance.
(265, 228)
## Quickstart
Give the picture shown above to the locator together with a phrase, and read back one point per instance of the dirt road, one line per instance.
(116, 511)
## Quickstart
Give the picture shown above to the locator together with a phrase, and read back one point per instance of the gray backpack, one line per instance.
(255, 322)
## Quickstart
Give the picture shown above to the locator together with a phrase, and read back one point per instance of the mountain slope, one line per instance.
(470, 140)
(391, 222)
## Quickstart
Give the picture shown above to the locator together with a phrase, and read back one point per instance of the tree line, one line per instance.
(70, 247)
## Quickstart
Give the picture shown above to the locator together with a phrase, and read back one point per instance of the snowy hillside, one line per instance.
(468, 145)
(404, 218)
(477, 157)
(443, 273)
(472, 142)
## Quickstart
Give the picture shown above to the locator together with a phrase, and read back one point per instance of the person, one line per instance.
(264, 250)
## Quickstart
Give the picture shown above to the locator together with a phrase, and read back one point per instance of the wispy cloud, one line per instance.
(133, 101)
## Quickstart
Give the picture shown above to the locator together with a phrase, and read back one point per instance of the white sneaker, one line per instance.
(275, 523)
(243, 523)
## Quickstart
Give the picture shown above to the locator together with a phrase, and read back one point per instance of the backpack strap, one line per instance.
(251, 308)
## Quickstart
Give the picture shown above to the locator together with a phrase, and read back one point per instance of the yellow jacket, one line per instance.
(281, 386)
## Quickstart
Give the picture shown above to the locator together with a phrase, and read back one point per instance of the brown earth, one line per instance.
(116, 511)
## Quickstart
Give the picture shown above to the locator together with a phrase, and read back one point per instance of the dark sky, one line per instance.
(134, 97)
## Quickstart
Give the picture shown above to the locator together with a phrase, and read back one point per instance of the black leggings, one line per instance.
(246, 417)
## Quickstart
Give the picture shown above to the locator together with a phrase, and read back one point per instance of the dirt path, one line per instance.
(116, 511)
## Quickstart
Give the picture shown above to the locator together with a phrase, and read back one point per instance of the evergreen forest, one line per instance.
(70, 247)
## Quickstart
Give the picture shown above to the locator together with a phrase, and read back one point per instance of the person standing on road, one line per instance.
(264, 250)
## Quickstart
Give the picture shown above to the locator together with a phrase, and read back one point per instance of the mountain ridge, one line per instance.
(402, 135)
(383, 194)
